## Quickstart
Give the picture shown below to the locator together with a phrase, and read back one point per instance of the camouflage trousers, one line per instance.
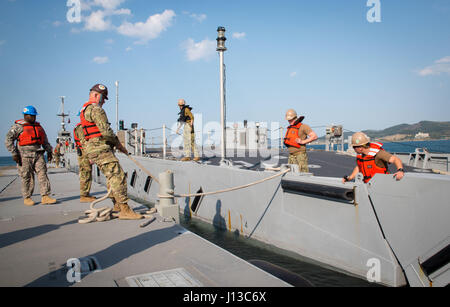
(85, 174)
(115, 176)
(189, 141)
(57, 160)
(301, 159)
(30, 165)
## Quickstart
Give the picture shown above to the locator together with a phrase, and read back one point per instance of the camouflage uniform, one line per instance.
(300, 158)
(298, 155)
(100, 151)
(84, 166)
(189, 141)
(56, 155)
(33, 161)
(189, 135)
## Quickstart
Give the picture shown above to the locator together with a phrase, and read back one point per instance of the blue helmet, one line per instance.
(30, 110)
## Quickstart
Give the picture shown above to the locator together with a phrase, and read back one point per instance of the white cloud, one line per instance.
(96, 22)
(198, 17)
(444, 60)
(150, 29)
(293, 74)
(441, 66)
(239, 35)
(121, 12)
(128, 49)
(100, 60)
(109, 41)
(201, 50)
(57, 23)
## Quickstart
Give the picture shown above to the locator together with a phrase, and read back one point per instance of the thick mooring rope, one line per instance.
(97, 215)
(229, 189)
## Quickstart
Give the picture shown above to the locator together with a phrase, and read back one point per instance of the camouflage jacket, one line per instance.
(78, 131)
(25, 151)
(95, 114)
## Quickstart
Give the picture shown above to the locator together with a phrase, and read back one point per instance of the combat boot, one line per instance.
(126, 213)
(28, 202)
(186, 159)
(47, 200)
(116, 207)
(87, 199)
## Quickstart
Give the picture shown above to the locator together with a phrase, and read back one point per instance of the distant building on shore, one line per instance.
(422, 135)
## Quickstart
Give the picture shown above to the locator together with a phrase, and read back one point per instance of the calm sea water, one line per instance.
(7, 161)
(250, 249)
(442, 146)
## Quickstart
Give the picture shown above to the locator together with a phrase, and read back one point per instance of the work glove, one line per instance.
(17, 159)
(79, 152)
(122, 149)
(49, 156)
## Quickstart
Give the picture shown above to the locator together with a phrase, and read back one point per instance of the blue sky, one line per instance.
(322, 58)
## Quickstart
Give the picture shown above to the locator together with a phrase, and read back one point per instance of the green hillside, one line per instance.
(437, 130)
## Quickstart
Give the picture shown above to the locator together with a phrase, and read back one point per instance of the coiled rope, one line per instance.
(106, 213)
(97, 215)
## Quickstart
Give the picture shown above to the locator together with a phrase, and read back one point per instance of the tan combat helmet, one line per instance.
(291, 114)
(181, 102)
(360, 139)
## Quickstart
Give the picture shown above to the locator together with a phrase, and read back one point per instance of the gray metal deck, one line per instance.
(36, 243)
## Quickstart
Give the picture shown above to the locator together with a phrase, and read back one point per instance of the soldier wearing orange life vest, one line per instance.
(100, 142)
(27, 142)
(298, 135)
(372, 159)
(84, 166)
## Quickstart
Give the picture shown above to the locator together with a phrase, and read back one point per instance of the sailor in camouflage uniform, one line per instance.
(298, 135)
(100, 142)
(57, 154)
(84, 165)
(29, 156)
(187, 119)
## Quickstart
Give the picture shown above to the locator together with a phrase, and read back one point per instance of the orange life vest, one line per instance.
(90, 130)
(366, 163)
(292, 136)
(33, 134)
(75, 137)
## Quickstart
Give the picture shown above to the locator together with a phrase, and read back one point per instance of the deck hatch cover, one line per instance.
(171, 278)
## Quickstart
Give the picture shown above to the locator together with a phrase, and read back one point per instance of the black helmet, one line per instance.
(100, 88)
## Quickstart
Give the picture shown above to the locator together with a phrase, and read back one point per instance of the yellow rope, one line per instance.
(143, 168)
